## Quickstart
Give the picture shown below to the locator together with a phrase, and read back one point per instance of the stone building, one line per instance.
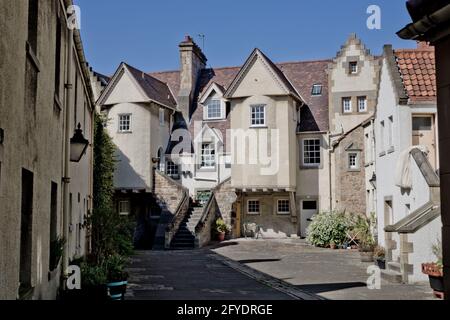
(45, 95)
(353, 85)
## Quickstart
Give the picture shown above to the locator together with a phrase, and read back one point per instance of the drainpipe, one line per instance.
(66, 178)
(331, 150)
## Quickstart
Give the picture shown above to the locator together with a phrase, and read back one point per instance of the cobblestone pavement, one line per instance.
(200, 275)
(330, 274)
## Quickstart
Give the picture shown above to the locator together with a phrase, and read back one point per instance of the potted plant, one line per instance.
(117, 278)
(366, 248)
(379, 255)
(221, 229)
(434, 270)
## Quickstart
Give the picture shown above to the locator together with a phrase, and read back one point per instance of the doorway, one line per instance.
(26, 231)
(423, 133)
(309, 208)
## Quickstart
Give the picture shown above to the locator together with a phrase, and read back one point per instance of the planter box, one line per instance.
(436, 278)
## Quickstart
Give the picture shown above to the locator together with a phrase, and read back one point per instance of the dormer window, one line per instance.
(316, 90)
(353, 69)
(213, 110)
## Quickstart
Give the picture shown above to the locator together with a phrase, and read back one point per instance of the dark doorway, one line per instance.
(26, 230)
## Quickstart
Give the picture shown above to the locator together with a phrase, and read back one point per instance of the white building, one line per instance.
(406, 118)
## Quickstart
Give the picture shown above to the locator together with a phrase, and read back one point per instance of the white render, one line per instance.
(386, 160)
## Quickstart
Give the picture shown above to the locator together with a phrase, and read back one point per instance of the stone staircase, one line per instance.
(184, 239)
(392, 273)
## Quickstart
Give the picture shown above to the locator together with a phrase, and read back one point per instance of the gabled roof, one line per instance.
(302, 75)
(153, 89)
(418, 71)
(279, 76)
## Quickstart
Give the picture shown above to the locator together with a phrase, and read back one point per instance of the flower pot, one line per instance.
(366, 256)
(435, 277)
(221, 236)
(381, 263)
(117, 290)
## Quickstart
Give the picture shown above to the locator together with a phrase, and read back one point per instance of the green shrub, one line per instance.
(327, 228)
(92, 274)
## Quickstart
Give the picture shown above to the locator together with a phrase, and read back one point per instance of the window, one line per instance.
(161, 117)
(353, 161)
(283, 206)
(353, 69)
(311, 152)
(213, 110)
(422, 123)
(362, 104)
(258, 116)
(33, 16)
(125, 123)
(124, 208)
(316, 90)
(381, 142)
(347, 105)
(58, 57)
(391, 131)
(208, 159)
(309, 205)
(172, 170)
(253, 207)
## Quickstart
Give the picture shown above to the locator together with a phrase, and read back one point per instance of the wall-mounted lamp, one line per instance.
(78, 145)
(373, 181)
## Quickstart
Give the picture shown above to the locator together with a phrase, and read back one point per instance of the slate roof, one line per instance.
(302, 76)
(154, 88)
(418, 71)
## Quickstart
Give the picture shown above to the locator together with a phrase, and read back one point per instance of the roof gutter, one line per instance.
(427, 27)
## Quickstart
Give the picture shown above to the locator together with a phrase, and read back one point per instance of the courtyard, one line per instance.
(248, 269)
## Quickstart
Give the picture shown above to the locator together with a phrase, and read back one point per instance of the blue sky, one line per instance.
(145, 33)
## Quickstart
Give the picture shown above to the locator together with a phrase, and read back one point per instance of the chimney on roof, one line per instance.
(192, 62)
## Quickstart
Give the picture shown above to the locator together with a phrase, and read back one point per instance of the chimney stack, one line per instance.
(193, 61)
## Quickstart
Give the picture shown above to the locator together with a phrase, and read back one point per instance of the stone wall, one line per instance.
(350, 188)
(168, 192)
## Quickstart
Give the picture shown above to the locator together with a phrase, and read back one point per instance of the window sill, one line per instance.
(207, 169)
(382, 154)
(253, 214)
(315, 167)
(259, 127)
(391, 149)
(124, 132)
(215, 120)
(284, 214)
(354, 170)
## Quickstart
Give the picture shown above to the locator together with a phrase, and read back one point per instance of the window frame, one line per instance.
(120, 130)
(252, 107)
(349, 99)
(212, 155)
(124, 213)
(313, 92)
(283, 213)
(254, 213)
(170, 166)
(359, 99)
(352, 64)
(356, 166)
(206, 110)
(311, 165)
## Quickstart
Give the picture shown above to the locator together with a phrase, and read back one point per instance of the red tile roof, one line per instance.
(418, 70)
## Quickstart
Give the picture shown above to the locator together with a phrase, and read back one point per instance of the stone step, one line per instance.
(391, 276)
(394, 266)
